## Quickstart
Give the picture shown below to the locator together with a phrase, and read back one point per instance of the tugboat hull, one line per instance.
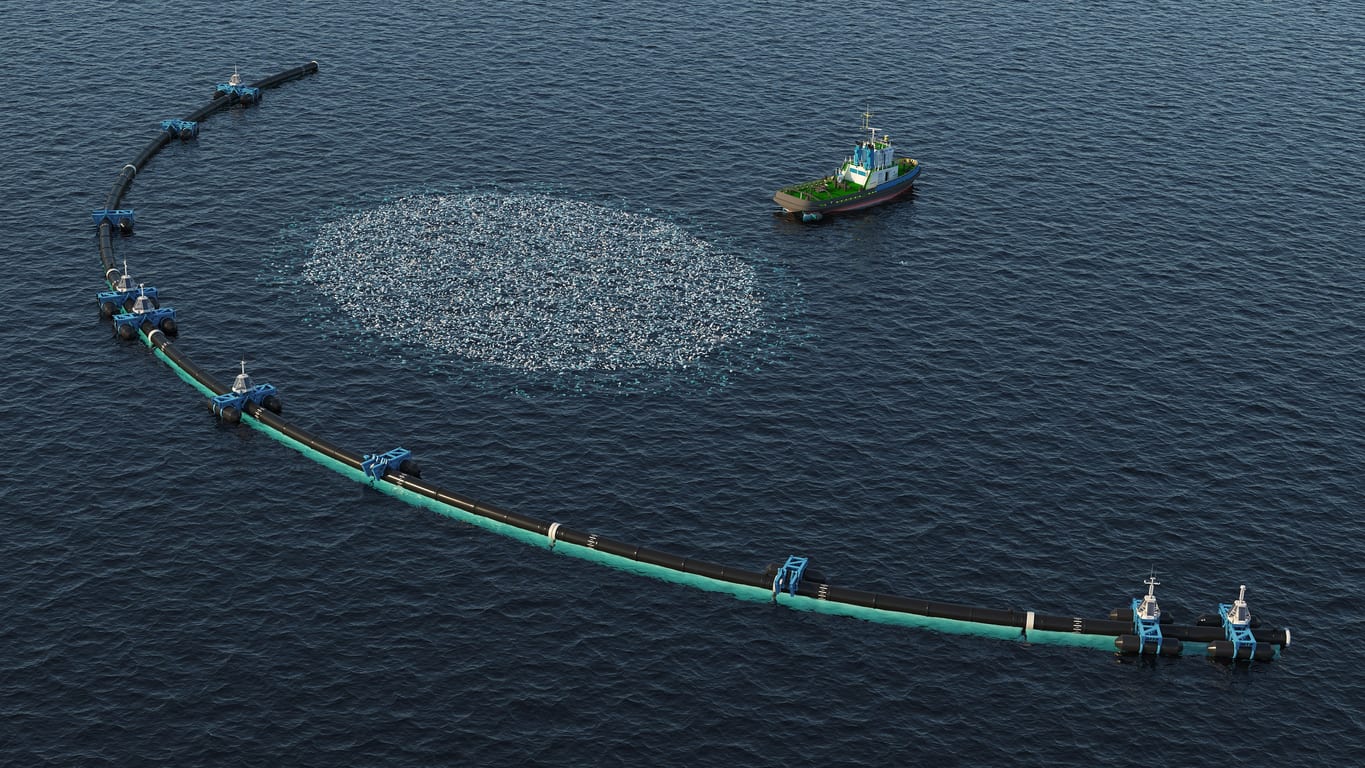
(882, 193)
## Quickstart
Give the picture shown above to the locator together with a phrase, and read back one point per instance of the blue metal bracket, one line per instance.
(185, 129)
(121, 295)
(376, 464)
(789, 575)
(1237, 623)
(117, 217)
(234, 399)
(244, 93)
(135, 319)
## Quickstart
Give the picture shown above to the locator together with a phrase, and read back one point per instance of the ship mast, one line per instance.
(867, 126)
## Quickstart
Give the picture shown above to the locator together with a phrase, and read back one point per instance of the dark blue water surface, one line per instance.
(1117, 327)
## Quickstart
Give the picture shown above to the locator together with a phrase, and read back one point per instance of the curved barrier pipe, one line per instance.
(811, 594)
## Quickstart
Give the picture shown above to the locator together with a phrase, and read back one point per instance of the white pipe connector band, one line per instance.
(1028, 624)
(550, 534)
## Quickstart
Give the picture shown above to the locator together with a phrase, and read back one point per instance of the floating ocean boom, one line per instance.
(1143, 629)
(872, 175)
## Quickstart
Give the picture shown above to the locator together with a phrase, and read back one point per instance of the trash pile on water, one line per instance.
(534, 282)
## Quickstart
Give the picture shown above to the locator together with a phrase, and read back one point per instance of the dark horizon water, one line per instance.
(1116, 328)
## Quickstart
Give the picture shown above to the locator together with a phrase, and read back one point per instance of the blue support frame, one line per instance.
(256, 394)
(1238, 632)
(1148, 630)
(185, 129)
(243, 92)
(115, 216)
(376, 464)
(789, 575)
(121, 296)
(136, 319)
(1147, 617)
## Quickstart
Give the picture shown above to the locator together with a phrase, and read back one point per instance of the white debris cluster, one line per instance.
(534, 282)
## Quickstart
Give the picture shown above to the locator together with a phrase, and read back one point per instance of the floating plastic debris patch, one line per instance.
(534, 282)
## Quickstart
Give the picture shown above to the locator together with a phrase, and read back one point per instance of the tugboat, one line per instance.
(872, 175)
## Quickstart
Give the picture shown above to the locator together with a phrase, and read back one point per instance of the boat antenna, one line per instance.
(867, 124)
(1148, 609)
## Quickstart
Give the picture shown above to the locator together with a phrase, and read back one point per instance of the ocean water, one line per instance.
(1116, 328)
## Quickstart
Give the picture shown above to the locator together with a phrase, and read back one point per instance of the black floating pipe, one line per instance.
(1119, 625)
(218, 103)
(302, 70)
(125, 177)
(277, 423)
(705, 568)
(168, 349)
(106, 250)
(452, 500)
(661, 559)
(163, 138)
(580, 538)
(153, 146)
(618, 548)
(1081, 625)
(851, 596)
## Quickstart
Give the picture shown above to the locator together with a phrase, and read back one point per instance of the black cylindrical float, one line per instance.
(1194, 634)
(1279, 636)
(1224, 649)
(1131, 644)
(1215, 620)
